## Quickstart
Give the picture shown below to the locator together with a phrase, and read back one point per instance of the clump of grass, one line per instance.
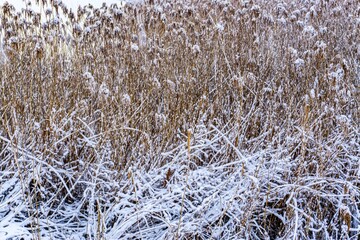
(270, 89)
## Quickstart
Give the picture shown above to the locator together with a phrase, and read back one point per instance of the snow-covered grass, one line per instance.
(181, 120)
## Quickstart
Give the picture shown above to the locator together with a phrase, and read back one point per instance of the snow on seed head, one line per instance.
(134, 47)
(281, 21)
(293, 52)
(220, 26)
(156, 82)
(87, 30)
(91, 83)
(281, 9)
(310, 31)
(299, 63)
(321, 45)
(104, 90)
(196, 49)
(13, 40)
(312, 93)
(89, 56)
(337, 75)
(251, 76)
(300, 24)
(126, 99)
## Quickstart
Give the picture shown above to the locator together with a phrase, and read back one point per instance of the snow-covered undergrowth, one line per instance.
(180, 120)
(255, 196)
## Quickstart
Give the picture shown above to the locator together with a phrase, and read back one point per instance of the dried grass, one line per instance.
(96, 108)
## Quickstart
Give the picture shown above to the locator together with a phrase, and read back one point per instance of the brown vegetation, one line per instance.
(124, 85)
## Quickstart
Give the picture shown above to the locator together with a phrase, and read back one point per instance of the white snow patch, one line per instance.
(299, 63)
(134, 47)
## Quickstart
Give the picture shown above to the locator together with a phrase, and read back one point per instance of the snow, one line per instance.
(321, 45)
(312, 93)
(126, 99)
(104, 90)
(91, 83)
(209, 184)
(338, 74)
(70, 3)
(145, 206)
(142, 36)
(299, 63)
(220, 27)
(134, 47)
(196, 48)
(310, 31)
(3, 57)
